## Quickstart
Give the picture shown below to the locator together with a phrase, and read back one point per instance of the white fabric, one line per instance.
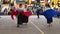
(22, 9)
(3, 9)
(34, 10)
(47, 9)
(25, 9)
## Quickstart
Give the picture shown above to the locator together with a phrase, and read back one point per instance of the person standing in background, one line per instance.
(59, 12)
(39, 10)
(0, 10)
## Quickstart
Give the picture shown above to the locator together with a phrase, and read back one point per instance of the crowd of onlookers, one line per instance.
(5, 10)
(35, 9)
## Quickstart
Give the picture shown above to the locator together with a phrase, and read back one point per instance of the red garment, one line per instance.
(15, 12)
(28, 13)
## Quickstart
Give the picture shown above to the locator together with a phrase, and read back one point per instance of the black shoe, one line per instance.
(17, 25)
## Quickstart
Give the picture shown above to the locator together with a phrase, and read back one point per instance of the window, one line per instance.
(20, 1)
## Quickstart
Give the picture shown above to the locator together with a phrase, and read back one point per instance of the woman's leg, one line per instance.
(38, 15)
(19, 20)
(49, 20)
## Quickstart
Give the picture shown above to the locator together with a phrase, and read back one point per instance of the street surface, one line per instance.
(34, 26)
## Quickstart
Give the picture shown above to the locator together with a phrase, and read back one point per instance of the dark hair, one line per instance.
(47, 5)
(25, 6)
(12, 4)
(20, 4)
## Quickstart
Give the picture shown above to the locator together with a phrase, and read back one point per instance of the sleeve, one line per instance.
(31, 12)
(12, 16)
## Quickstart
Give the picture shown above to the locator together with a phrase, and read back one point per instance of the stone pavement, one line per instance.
(34, 26)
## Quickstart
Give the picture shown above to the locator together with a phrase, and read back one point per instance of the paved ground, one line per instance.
(42, 24)
(34, 26)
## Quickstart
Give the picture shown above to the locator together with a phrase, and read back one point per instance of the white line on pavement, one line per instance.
(37, 27)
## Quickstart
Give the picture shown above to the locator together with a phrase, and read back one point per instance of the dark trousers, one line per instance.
(25, 19)
(21, 19)
(49, 20)
(58, 15)
(38, 15)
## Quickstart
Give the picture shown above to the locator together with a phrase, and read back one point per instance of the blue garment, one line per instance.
(1, 13)
(50, 13)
